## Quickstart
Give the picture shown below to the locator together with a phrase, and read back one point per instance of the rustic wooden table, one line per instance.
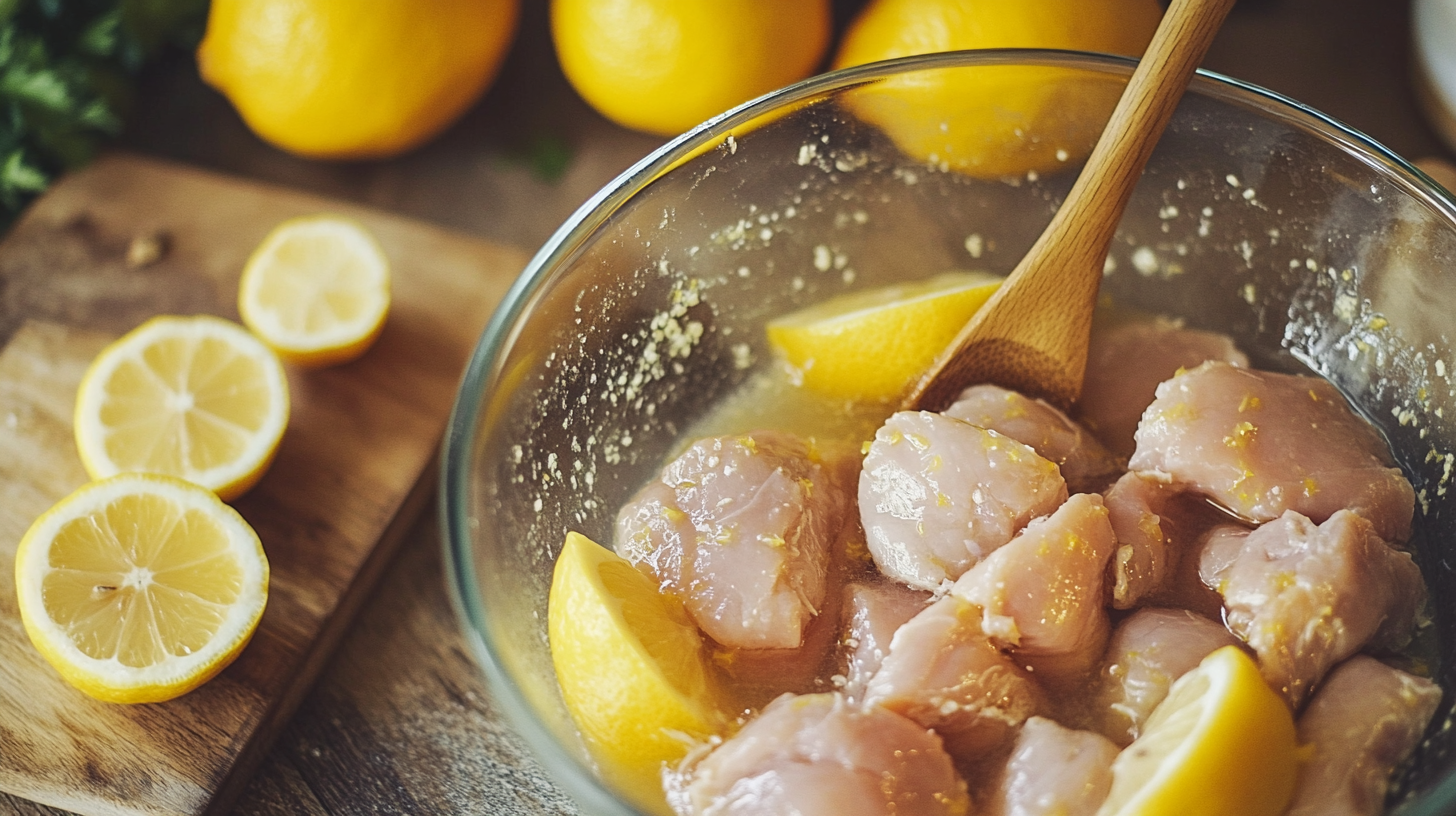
(401, 720)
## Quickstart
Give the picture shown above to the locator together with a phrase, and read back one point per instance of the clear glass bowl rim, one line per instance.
(482, 372)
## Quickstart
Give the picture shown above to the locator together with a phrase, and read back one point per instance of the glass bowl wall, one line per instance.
(1307, 242)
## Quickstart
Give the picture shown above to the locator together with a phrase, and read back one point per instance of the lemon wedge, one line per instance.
(1221, 744)
(141, 587)
(873, 345)
(198, 398)
(316, 290)
(631, 668)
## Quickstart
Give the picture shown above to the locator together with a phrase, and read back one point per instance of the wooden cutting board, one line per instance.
(108, 247)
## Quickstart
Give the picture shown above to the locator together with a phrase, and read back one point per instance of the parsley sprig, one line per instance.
(65, 69)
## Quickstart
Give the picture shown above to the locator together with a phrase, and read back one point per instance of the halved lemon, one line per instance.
(194, 397)
(1221, 744)
(874, 344)
(316, 290)
(631, 668)
(141, 587)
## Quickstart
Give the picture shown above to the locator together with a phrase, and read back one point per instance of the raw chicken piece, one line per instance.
(873, 610)
(819, 754)
(1085, 464)
(740, 528)
(1307, 597)
(1041, 594)
(1125, 365)
(1135, 506)
(1363, 721)
(1054, 771)
(944, 673)
(937, 495)
(1149, 650)
(1259, 443)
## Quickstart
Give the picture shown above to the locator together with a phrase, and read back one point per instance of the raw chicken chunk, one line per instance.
(873, 610)
(1135, 506)
(1084, 463)
(1259, 443)
(1041, 594)
(1125, 365)
(944, 673)
(740, 528)
(1054, 771)
(819, 754)
(937, 495)
(1306, 597)
(1149, 650)
(1364, 720)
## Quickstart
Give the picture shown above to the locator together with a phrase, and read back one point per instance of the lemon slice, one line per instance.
(194, 397)
(141, 587)
(316, 290)
(873, 345)
(1221, 744)
(630, 665)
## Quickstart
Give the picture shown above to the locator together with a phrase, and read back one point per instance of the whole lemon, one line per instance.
(346, 79)
(663, 66)
(991, 121)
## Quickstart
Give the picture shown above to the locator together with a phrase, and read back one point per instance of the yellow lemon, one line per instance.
(872, 345)
(1221, 744)
(663, 66)
(141, 587)
(993, 121)
(350, 79)
(316, 290)
(630, 665)
(198, 398)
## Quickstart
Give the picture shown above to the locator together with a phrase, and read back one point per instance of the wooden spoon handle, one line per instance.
(1015, 340)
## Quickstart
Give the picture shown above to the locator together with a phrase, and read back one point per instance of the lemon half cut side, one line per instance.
(198, 398)
(316, 290)
(141, 587)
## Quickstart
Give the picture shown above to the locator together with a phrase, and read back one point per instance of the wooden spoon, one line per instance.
(1031, 336)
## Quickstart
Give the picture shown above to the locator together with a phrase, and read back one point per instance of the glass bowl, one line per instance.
(1309, 243)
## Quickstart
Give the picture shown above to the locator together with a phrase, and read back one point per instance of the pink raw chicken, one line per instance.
(1125, 365)
(1259, 443)
(1307, 597)
(740, 528)
(943, 673)
(1085, 464)
(1364, 720)
(873, 611)
(1041, 594)
(1054, 771)
(819, 754)
(1149, 650)
(937, 495)
(1135, 506)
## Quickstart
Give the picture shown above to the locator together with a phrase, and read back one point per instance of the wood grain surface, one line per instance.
(109, 247)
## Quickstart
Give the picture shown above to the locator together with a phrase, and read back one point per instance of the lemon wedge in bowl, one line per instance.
(631, 668)
(140, 588)
(198, 398)
(316, 290)
(1221, 744)
(874, 344)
